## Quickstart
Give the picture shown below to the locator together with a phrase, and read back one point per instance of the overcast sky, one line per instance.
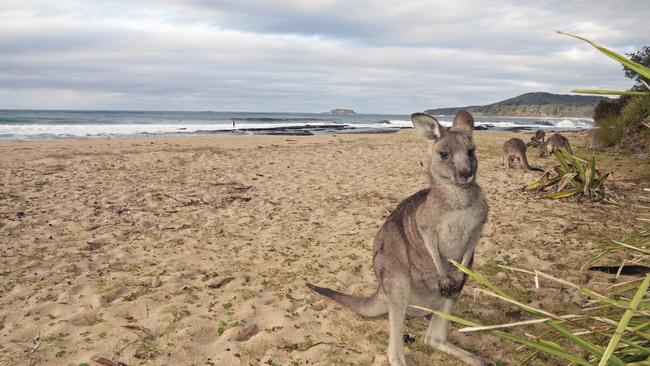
(306, 56)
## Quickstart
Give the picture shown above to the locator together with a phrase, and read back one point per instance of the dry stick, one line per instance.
(524, 306)
(510, 325)
(631, 246)
(303, 349)
(626, 283)
(620, 268)
(569, 284)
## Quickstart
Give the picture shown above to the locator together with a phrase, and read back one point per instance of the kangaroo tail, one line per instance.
(372, 306)
(524, 161)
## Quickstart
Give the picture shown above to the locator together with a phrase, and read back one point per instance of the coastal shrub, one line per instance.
(605, 116)
(629, 129)
(634, 121)
(624, 122)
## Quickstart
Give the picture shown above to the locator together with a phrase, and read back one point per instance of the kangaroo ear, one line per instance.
(428, 127)
(463, 122)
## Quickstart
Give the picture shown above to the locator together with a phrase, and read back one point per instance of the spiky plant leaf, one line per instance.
(564, 165)
(637, 67)
(566, 193)
(608, 92)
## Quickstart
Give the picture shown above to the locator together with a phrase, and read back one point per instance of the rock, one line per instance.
(342, 112)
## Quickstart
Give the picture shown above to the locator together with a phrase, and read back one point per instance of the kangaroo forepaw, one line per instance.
(450, 286)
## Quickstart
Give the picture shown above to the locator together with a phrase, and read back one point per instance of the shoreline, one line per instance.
(304, 130)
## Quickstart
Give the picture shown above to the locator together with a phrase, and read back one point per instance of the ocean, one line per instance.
(55, 124)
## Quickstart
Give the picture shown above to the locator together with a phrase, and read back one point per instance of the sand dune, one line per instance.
(195, 250)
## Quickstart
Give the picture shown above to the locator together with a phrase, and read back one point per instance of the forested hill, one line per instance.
(533, 105)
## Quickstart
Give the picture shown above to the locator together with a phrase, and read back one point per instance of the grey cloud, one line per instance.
(255, 56)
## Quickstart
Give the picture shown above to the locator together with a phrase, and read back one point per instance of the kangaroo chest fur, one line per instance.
(452, 232)
(448, 225)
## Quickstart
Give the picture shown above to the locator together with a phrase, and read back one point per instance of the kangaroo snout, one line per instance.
(464, 177)
(465, 173)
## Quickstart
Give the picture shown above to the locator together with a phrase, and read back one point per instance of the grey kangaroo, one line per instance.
(413, 247)
(515, 149)
(537, 139)
(556, 142)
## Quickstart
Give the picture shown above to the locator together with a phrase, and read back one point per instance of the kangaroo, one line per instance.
(537, 139)
(556, 142)
(413, 247)
(515, 149)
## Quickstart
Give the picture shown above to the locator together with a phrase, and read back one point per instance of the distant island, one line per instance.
(341, 112)
(537, 104)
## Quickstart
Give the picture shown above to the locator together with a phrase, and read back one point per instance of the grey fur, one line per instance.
(413, 247)
(537, 139)
(555, 142)
(515, 150)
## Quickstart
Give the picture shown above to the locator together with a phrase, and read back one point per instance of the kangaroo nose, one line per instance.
(465, 173)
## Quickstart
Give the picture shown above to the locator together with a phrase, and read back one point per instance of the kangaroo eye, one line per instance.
(470, 152)
(444, 155)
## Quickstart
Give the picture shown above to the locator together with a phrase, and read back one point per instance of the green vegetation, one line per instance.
(625, 122)
(627, 127)
(641, 57)
(613, 328)
(533, 105)
(573, 177)
(612, 331)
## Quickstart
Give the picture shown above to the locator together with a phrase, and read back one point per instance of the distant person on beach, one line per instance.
(233, 123)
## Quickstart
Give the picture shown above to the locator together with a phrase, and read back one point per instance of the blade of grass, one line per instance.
(632, 247)
(638, 68)
(532, 344)
(559, 156)
(589, 176)
(512, 325)
(608, 92)
(589, 347)
(638, 296)
(566, 193)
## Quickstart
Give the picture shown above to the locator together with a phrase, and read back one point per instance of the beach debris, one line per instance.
(106, 362)
(246, 333)
(20, 214)
(230, 199)
(155, 281)
(96, 243)
(139, 330)
(221, 283)
(302, 347)
(626, 269)
(194, 202)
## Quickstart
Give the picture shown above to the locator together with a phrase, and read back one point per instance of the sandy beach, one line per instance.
(195, 250)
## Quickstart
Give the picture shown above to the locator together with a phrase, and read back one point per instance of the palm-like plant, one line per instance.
(573, 177)
(636, 67)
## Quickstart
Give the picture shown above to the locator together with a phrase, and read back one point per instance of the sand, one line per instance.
(195, 250)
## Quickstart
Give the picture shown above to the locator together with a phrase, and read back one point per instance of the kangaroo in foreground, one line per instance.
(515, 149)
(556, 142)
(413, 247)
